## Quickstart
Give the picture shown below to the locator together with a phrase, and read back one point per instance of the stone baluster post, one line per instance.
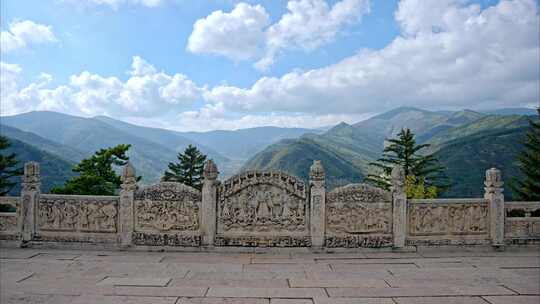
(317, 202)
(126, 209)
(399, 207)
(209, 203)
(494, 194)
(29, 200)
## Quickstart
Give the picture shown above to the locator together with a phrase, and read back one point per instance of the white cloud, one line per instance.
(146, 92)
(23, 33)
(310, 24)
(238, 35)
(245, 33)
(462, 57)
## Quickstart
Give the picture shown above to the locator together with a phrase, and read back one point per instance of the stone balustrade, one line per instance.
(265, 209)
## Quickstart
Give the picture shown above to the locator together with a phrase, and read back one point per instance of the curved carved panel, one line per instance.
(167, 206)
(75, 213)
(358, 209)
(262, 202)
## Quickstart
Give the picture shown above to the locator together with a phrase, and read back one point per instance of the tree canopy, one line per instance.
(8, 168)
(96, 174)
(528, 188)
(189, 169)
(421, 170)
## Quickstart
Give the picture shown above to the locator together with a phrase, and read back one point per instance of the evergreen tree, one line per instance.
(8, 168)
(189, 169)
(404, 151)
(96, 174)
(528, 189)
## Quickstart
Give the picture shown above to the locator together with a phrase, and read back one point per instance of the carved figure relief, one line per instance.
(167, 206)
(70, 214)
(262, 202)
(8, 222)
(456, 219)
(358, 209)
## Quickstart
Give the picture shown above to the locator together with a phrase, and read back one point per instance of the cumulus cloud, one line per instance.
(238, 35)
(308, 25)
(245, 33)
(449, 55)
(24, 33)
(146, 92)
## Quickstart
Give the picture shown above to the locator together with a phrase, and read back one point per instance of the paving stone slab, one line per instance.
(160, 291)
(513, 299)
(222, 301)
(268, 260)
(255, 283)
(266, 292)
(291, 301)
(17, 253)
(20, 298)
(424, 291)
(353, 301)
(123, 300)
(134, 281)
(440, 300)
(337, 283)
(269, 275)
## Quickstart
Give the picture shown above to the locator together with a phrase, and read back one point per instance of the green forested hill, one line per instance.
(466, 160)
(466, 142)
(54, 170)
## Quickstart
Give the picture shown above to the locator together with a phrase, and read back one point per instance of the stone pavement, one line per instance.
(431, 275)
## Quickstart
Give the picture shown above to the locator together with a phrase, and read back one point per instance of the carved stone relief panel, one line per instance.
(522, 227)
(358, 209)
(441, 218)
(262, 202)
(358, 215)
(167, 206)
(75, 213)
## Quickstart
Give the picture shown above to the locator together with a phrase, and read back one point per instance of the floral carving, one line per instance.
(167, 206)
(64, 213)
(262, 202)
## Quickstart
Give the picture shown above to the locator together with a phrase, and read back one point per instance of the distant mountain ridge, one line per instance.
(73, 138)
(455, 137)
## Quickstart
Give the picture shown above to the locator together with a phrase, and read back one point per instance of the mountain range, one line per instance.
(466, 142)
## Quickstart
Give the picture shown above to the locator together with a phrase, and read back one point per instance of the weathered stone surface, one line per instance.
(440, 300)
(266, 292)
(353, 301)
(513, 299)
(134, 281)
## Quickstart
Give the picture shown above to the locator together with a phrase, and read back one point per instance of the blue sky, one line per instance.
(330, 60)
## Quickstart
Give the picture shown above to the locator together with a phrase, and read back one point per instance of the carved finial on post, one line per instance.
(31, 178)
(317, 204)
(494, 194)
(129, 185)
(210, 171)
(399, 207)
(398, 179)
(209, 203)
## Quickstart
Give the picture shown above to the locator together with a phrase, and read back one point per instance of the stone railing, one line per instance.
(448, 222)
(9, 221)
(266, 209)
(522, 222)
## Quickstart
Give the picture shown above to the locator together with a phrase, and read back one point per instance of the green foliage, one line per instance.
(403, 151)
(189, 169)
(7, 208)
(528, 188)
(8, 168)
(96, 174)
(416, 189)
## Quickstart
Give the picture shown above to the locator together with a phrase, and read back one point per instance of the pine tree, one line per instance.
(404, 152)
(8, 168)
(189, 169)
(528, 189)
(96, 174)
